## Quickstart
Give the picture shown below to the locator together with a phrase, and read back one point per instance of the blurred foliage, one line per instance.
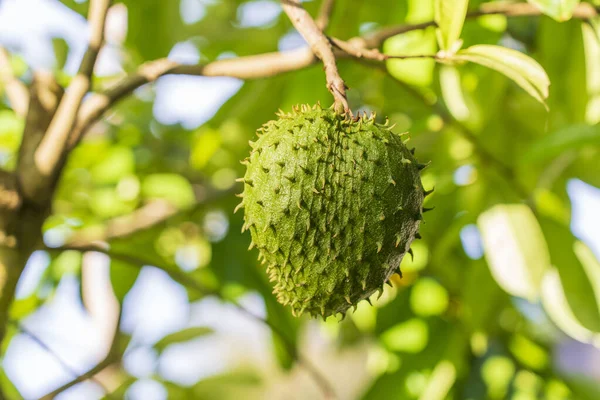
(498, 281)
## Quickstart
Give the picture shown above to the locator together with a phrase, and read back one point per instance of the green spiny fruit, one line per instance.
(332, 204)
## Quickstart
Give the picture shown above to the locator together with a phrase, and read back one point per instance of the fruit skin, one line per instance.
(332, 204)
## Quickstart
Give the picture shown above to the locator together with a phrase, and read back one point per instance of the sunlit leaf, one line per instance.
(453, 92)
(529, 353)
(184, 335)
(556, 305)
(591, 265)
(515, 249)
(440, 382)
(171, 187)
(450, 17)
(428, 298)
(577, 283)
(117, 162)
(497, 372)
(522, 69)
(21, 308)
(416, 72)
(410, 336)
(560, 10)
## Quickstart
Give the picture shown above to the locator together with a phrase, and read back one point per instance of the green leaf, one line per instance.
(591, 266)
(61, 51)
(415, 72)
(556, 306)
(410, 336)
(453, 93)
(21, 308)
(171, 187)
(182, 336)
(522, 69)
(117, 163)
(515, 249)
(562, 140)
(574, 278)
(9, 390)
(450, 16)
(122, 278)
(560, 10)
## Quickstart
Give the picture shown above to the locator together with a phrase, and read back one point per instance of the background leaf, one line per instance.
(182, 336)
(575, 280)
(450, 17)
(560, 10)
(515, 249)
(523, 70)
(570, 138)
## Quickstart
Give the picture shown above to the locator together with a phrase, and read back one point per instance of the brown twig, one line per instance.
(189, 282)
(324, 15)
(54, 144)
(350, 48)
(16, 91)
(321, 47)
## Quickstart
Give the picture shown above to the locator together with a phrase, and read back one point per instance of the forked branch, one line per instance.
(320, 45)
(54, 144)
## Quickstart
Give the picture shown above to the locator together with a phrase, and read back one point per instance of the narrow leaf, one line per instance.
(453, 93)
(556, 306)
(122, 278)
(522, 69)
(450, 16)
(577, 283)
(182, 336)
(560, 10)
(514, 249)
(591, 266)
(556, 143)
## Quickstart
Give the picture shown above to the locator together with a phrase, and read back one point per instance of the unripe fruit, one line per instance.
(332, 204)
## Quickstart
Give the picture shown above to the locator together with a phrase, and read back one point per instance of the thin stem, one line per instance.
(113, 356)
(321, 47)
(189, 282)
(54, 354)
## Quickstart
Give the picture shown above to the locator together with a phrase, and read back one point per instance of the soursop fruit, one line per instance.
(332, 204)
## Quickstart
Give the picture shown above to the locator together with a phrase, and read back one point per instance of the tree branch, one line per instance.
(249, 67)
(144, 218)
(324, 16)
(113, 356)
(321, 47)
(351, 48)
(16, 91)
(51, 150)
(56, 356)
(189, 282)
(271, 64)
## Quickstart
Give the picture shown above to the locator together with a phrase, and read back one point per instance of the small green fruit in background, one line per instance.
(333, 204)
